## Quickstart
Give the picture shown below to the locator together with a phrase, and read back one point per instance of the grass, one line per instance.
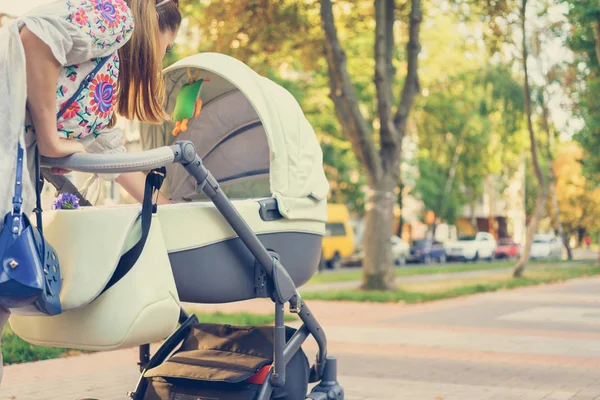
(356, 274)
(15, 350)
(240, 319)
(431, 291)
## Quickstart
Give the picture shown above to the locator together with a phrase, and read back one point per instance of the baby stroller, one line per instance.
(251, 228)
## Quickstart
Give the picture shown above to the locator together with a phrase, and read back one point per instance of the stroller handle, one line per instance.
(116, 163)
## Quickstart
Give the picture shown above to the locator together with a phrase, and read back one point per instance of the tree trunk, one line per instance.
(400, 201)
(451, 175)
(598, 259)
(561, 232)
(551, 184)
(531, 229)
(382, 166)
(344, 98)
(580, 235)
(597, 45)
(541, 197)
(472, 217)
(596, 30)
(379, 272)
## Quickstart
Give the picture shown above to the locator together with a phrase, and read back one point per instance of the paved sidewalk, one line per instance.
(528, 344)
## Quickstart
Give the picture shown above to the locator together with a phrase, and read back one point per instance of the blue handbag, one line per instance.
(30, 278)
(30, 274)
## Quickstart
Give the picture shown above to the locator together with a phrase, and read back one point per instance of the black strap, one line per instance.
(18, 196)
(39, 185)
(154, 180)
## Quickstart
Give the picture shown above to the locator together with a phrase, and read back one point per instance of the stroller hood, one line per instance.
(293, 160)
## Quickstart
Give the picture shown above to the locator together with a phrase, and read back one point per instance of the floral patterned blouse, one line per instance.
(98, 28)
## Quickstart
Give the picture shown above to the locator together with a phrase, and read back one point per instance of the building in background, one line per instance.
(500, 210)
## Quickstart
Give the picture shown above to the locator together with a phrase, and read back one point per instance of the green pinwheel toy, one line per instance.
(188, 104)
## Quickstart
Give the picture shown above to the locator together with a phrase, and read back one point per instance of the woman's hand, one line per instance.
(54, 147)
(134, 184)
(64, 148)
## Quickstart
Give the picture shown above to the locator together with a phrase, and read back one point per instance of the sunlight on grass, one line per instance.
(356, 274)
(430, 291)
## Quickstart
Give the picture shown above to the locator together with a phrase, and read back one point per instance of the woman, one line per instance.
(61, 43)
(131, 77)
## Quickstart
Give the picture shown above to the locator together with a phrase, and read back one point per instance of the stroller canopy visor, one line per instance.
(248, 127)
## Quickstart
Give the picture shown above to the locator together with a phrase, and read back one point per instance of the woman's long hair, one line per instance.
(141, 90)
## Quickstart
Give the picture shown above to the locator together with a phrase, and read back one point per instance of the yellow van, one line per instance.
(338, 243)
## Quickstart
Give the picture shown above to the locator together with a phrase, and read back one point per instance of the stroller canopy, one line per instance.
(250, 130)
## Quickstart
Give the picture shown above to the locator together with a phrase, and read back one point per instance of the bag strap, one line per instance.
(39, 185)
(17, 199)
(154, 181)
(86, 81)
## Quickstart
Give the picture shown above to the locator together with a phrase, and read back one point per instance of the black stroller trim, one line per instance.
(283, 289)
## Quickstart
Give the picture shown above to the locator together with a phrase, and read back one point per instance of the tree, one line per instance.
(467, 131)
(277, 39)
(551, 181)
(583, 39)
(549, 77)
(577, 198)
(542, 188)
(381, 162)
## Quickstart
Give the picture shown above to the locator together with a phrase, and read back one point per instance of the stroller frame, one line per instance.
(274, 283)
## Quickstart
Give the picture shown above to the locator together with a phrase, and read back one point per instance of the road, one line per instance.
(528, 344)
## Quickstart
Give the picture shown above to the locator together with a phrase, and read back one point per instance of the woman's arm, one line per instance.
(134, 184)
(42, 77)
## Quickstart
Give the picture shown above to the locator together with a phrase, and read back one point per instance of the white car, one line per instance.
(473, 248)
(547, 247)
(400, 250)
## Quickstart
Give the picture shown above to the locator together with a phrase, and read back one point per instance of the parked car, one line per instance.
(547, 247)
(472, 248)
(507, 249)
(427, 250)
(338, 243)
(400, 250)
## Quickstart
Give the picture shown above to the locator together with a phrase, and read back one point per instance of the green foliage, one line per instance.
(584, 82)
(430, 188)
(466, 94)
(355, 275)
(283, 41)
(531, 188)
(239, 318)
(578, 201)
(16, 350)
(499, 18)
(472, 120)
